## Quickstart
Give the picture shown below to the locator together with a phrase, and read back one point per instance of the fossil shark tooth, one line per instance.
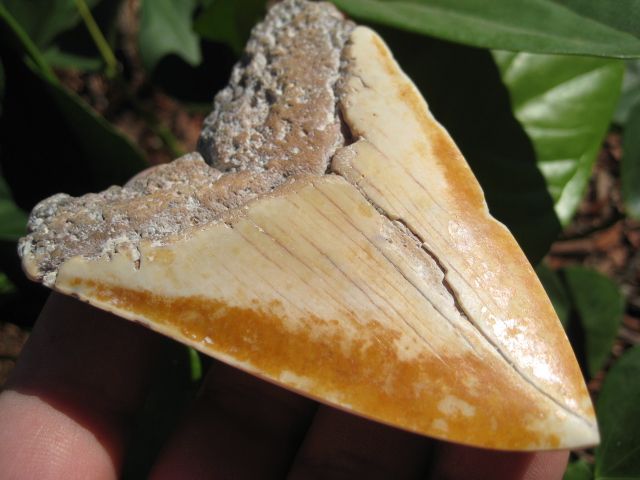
(363, 270)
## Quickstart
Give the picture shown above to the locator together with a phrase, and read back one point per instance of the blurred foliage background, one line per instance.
(542, 96)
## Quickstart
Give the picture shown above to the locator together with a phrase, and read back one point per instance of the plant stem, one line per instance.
(112, 73)
(98, 38)
(169, 140)
(195, 364)
(165, 134)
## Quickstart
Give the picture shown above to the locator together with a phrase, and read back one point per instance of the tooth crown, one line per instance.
(340, 246)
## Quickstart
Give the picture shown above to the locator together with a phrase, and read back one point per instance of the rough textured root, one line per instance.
(279, 109)
(277, 120)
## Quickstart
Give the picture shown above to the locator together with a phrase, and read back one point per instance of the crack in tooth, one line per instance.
(403, 226)
(456, 302)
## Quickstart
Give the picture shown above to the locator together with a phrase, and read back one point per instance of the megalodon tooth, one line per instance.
(329, 237)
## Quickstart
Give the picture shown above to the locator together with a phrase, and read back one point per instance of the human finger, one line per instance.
(341, 445)
(80, 377)
(238, 427)
(453, 461)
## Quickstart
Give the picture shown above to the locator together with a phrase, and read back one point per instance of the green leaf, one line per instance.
(6, 286)
(623, 15)
(13, 221)
(590, 308)
(165, 28)
(13, 34)
(51, 138)
(58, 58)
(110, 156)
(556, 291)
(541, 26)
(229, 21)
(630, 169)
(578, 470)
(57, 30)
(600, 306)
(630, 95)
(565, 105)
(43, 20)
(618, 455)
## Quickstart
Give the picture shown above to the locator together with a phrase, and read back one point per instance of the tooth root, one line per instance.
(383, 288)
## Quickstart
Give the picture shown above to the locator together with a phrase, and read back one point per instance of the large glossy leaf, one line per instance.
(166, 28)
(627, 115)
(630, 95)
(630, 172)
(541, 26)
(230, 21)
(618, 456)
(565, 104)
(600, 305)
(82, 151)
(622, 15)
(589, 306)
(111, 157)
(13, 221)
(463, 88)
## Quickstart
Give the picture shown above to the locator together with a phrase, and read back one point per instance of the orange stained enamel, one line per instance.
(362, 373)
(464, 201)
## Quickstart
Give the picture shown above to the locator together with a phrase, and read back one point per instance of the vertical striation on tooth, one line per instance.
(367, 275)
